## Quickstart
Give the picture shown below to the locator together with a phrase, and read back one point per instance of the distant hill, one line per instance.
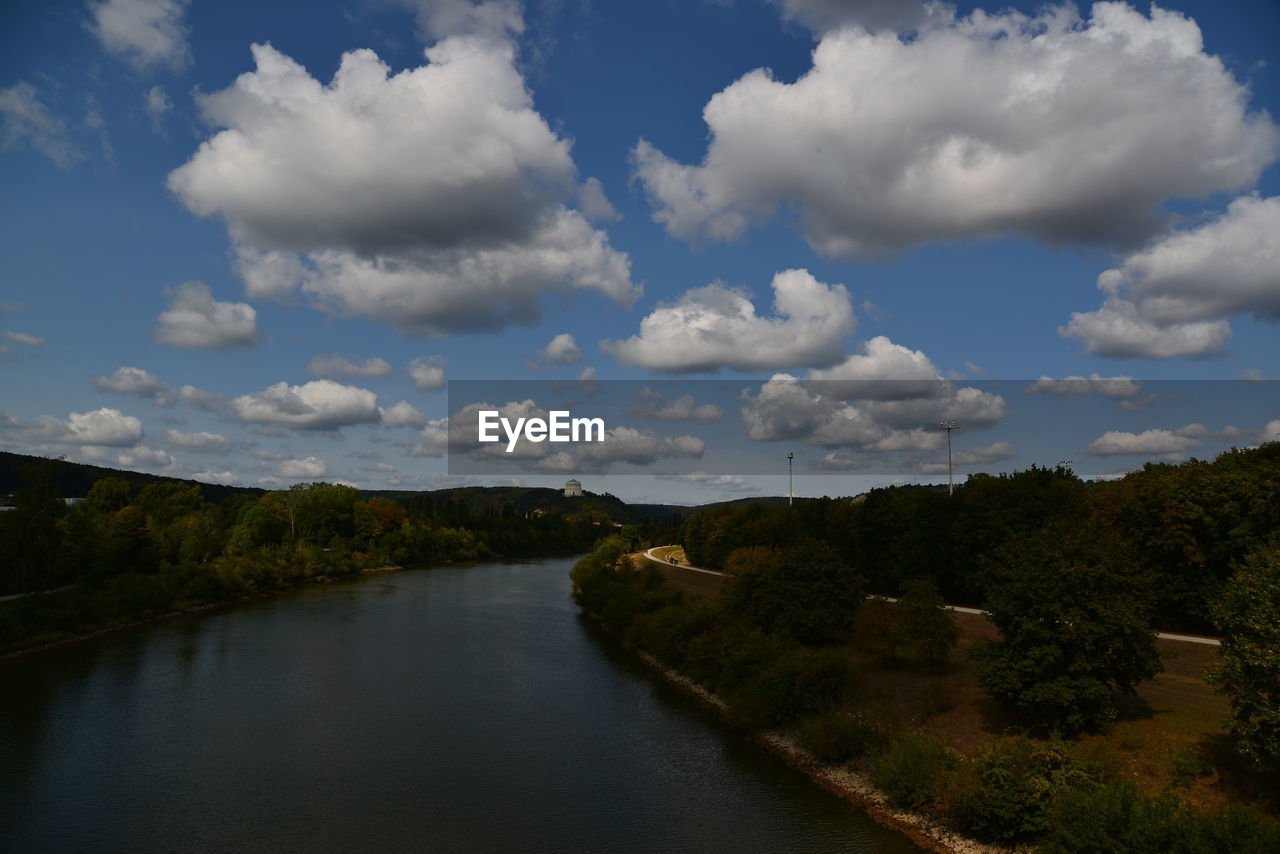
(73, 480)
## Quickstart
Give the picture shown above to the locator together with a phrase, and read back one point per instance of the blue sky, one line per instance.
(222, 261)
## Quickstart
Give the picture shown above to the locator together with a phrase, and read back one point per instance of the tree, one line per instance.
(1074, 617)
(1248, 667)
(805, 591)
(930, 629)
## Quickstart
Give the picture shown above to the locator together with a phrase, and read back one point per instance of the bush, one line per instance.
(912, 771)
(1115, 819)
(805, 592)
(667, 633)
(1009, 789)
(839, 736)
(799, 683)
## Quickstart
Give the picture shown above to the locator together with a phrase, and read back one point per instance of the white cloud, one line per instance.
(200, 443)
(1116, 387)
(494, 19)
(1062, 130)
(317, 405)
(433, 439)
(24, 120)
(882, 370)
(157, 102)
(561, 350)
(994, 452)
(104, 426)
(433, 200)
(131, 458)
(145, 32)
(428, 373)
(716, 326)
(1271, 433)
(224, 478)
(336, 365)
(403, 414)
(684, 408)
(1163, 442)
(594, 204)
(137, 382)
(1174, 297)
(723, 482)
(23, 338)
(873, 15)
(195, 319)
(311, 467)
(209, 401)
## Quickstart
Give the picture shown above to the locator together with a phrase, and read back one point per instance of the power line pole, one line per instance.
(949, 426)
(791, 481)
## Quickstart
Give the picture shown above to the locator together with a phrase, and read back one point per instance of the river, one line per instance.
(437, 710)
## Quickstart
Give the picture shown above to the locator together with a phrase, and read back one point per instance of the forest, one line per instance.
(135, 550)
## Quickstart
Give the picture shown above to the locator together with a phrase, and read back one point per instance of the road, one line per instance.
(959, 609)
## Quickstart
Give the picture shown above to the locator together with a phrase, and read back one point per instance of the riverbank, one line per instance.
(839, 780)
(130, 623)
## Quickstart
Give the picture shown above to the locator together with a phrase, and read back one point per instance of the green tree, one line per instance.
(929, 629)
(1248, 667)
(1074, 618)
(805, 591)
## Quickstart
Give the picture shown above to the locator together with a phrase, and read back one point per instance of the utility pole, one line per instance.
(791, 480)
(949, 426)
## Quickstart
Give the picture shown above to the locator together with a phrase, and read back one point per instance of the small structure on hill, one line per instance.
(573, 489)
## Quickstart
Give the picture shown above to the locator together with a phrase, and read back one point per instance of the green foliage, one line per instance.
(1074, 619)
(1006, 793)
(804, 592)
(841, 735)
(1248, 666)
(930, 629)
(799, 682)
(913, 770)
(1114, 819)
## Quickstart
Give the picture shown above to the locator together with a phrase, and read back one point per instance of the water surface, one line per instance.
(447, 709)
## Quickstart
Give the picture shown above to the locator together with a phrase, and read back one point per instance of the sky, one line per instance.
(269, 243)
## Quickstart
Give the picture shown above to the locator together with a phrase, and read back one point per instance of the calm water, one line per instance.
(453, 709)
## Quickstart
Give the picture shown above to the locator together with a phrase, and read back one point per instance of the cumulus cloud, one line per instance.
(195, 319)
(1117, 387)
(108, 427)
(1271, 433)
(336, 365)
(432, 440)
(561, 350)
(684, 408)
(1151, 442)
(317, 405)
(200, 443)
(866, 412)
(434, 200)
(493, 19)
(428, 373)
(873, 15)
(209, 401)
(994, 452)
(157, 102)
(1174, 297)
(716, 326)
(403, 414)
(1060, 129)
(137, 382)
(24, 120)
(310, 467)
(131, 458)
(144, 32)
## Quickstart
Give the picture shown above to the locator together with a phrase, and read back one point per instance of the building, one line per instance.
(573, 489)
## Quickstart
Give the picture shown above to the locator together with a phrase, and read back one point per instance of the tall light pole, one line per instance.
(949, 426)
(791, 480)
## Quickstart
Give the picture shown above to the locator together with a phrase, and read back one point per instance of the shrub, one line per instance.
(912, 770)
(839, 736)
(1010, 789)
(805, 592)
(799, 683)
